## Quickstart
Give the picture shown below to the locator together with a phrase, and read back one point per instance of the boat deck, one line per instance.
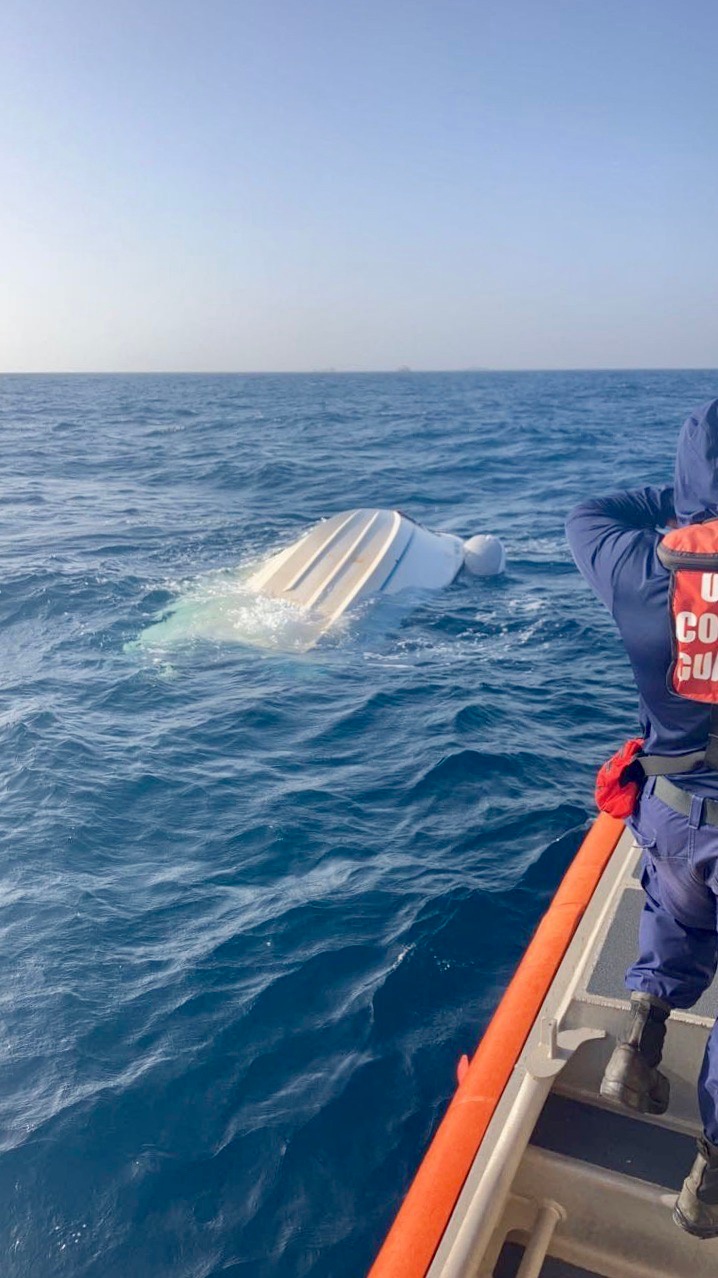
(566, 1185)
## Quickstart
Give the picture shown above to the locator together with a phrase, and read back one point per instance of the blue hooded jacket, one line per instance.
(613, 541)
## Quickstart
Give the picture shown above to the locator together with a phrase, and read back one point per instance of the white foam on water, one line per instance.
(542, 550)
(220, 608)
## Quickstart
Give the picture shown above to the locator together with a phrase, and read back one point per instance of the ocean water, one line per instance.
(255, 902)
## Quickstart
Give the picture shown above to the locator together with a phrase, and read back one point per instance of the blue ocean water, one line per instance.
(256, 902)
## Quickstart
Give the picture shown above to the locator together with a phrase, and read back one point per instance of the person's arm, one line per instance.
(601, 532)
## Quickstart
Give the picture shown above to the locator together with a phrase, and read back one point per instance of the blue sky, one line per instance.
(303, 184)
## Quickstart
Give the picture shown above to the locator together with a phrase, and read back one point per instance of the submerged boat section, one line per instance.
(368, 552)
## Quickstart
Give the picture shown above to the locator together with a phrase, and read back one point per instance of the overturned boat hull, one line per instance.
(354, 555)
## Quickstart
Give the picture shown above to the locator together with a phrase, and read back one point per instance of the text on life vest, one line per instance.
(698, 628)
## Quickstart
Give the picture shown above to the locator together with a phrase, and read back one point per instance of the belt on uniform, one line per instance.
(682, 801)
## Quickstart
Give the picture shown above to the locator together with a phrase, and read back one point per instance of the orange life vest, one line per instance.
(691, 556)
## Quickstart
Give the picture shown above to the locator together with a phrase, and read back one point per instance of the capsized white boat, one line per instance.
(367, 552)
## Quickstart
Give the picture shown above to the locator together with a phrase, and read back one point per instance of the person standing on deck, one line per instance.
(615, 542)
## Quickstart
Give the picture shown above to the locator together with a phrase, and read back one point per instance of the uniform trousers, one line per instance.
(678, 935)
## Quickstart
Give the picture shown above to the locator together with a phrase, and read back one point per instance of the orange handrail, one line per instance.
(422, 1219)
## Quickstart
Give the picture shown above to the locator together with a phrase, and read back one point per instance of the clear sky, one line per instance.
(303, 184)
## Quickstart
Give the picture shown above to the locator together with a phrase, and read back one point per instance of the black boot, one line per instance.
(696, 1210)
(631, 1077)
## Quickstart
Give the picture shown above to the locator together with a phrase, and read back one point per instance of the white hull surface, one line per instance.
(357, 554)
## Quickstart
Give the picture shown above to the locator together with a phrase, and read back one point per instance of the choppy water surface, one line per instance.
(255, 901)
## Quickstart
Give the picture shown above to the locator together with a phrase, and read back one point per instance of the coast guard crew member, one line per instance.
(615, 542)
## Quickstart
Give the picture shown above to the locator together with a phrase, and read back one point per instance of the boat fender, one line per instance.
(620, 781)
(484, 555)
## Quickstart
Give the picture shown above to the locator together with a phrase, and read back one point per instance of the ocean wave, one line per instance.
(254, 903)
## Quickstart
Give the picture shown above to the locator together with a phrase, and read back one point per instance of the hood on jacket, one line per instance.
(696, 482)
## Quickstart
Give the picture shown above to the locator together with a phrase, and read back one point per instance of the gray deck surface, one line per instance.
(615, 1174)
(512, 1255)
(619, 951)
(618, 1142)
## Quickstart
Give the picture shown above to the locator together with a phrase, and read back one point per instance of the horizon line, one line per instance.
(404, 370)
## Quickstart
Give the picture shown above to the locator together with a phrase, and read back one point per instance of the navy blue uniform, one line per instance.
(614, 541)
